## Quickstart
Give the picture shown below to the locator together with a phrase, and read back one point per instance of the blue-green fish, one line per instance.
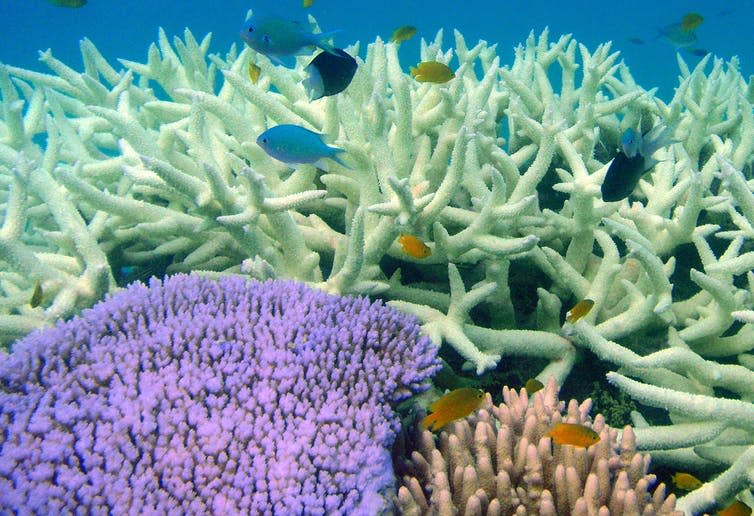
(37, 295)
(631, 142)
(278, 38)
(633, 160)
(68, 3)
(677, 36)
(295, 144)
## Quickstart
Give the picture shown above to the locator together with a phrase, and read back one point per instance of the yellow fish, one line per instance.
(307, 3)
(413, 246)
(735, 509)
(691, 21)
(36, 295)
(686, 481)
(533, 385)
(402, 34)
(254, 72)
(573, 434)
(454, 405)
(579, 310)
(68, 3)
(432, 71)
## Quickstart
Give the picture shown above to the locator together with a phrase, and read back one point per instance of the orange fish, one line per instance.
(36, 295)
(686, 481)
(691, 21)
(432, 71)
(579, 310)
(573, 434)
(254, 72)
(533, 385)
(413, 246)
(402, 34)
(454, 405)
(735, 509)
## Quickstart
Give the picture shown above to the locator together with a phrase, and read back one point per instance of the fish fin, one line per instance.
(326, 45)
(323, 165)
(429, 421)
(286, 61)
(313, 84)
(440, 424)
(334, 156)
(658, 137)
(340, 162)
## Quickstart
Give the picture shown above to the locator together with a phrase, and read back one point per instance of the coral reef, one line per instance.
(201, 396)
(498, 171)
(499, 461)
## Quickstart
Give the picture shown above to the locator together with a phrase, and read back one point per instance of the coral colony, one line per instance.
(498, 172)
(500, 462)
(196, 396)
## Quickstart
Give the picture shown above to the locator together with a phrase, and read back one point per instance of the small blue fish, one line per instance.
(68, 3)
(278, 38)
(633, 160)
(294, 144)
(677, 36)
(631, 142)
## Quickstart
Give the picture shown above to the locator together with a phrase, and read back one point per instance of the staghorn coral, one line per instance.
(196, 396)
(499, 171)
(499, 461)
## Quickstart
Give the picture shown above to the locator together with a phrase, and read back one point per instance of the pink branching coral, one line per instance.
(499, 461)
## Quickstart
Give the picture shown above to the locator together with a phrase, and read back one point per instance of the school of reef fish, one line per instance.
(513, 215)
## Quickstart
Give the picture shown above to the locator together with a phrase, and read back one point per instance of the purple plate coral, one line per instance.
(203, 396)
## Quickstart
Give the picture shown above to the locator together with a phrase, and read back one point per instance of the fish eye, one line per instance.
(251, 29)
(264, 140)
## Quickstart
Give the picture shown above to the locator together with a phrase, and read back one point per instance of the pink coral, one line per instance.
(499, 461)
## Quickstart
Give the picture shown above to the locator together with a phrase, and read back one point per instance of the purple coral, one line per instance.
(204, 396)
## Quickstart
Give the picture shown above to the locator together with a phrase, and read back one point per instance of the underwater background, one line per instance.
(638, 30)
(124, 29)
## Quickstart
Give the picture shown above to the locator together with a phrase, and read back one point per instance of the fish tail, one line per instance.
(313, 84)
(321, 40)
(334, 151)
(657, 138)
(428, 422)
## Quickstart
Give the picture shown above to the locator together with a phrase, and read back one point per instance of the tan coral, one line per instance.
(499, 461)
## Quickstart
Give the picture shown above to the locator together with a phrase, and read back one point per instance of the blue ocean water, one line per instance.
(125, 28)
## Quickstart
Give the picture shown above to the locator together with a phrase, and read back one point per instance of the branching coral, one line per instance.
(499, 171)
(499, 461)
